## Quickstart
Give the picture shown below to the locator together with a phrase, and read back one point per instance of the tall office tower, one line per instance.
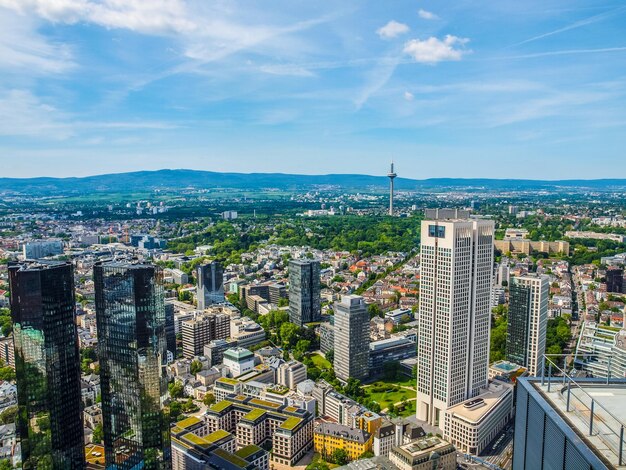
(391, 175)
(49, 421)
(210, 288)
(615, 280)
(528, 321)
(170, 329)
(130, 314)
(352, 338)
(453, 331)
(203, 329)
(305, 301)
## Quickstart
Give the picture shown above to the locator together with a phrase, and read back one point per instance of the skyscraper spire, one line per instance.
(391, 175)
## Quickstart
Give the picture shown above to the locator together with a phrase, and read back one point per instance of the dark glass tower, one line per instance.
(305, 303)
(130, 313)
(47, 365)
(210, 288)
(518, 323)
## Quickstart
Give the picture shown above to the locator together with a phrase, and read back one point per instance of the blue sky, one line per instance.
(464, 88)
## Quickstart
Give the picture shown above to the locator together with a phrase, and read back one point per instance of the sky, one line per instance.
(463, 88)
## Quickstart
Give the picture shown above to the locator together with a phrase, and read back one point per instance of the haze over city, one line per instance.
(448, 89)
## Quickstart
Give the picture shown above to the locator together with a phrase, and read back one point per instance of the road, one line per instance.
(500, 450)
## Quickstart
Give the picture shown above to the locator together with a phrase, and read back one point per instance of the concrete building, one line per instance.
(615, 280)
(239, 361)
(528, 321)
(454, 316)
(246, 332)
(7, 351)
(557, 428)
(290, 374)
(203, 329)
(327, 336)
(328, 437)
(528, 246)
(424, 454)
(391, 175)
(474, 423)
(304, 291)
(210, 287)
(214, 351)
(395, 434)
(506, 371)
(614, 237)
(390, 350)
(258, 422)
(352, 338)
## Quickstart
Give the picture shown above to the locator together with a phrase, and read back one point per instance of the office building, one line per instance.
(7, 351)
(424, 454)
(394, 434)
(569, 424)
(472, 424)
(47, 363)
(454, 314)
(260, 422)
(305, 301)
(246, 332)
(329, 437)
(214, 351)
(170, 329)
(42, 249)
(193, 448)
(203, 329)
(389, 350)
(352, 338)
(130, 312)
(210, 288)
(527, 321)
(327, 336)
(290, 374)
(239, 361)
(615, 280)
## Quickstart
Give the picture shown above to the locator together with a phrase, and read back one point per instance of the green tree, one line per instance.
(340, 457)
(176, 389)
(98, 434)
(7, 373)
(8, 415)
(208, 399)
(195, 367)
(289, 334)
(330, 356)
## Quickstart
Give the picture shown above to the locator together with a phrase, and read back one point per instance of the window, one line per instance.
(436, 231)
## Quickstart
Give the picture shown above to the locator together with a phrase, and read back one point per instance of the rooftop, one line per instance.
(341, 431)
(475, 409)
(291, 423)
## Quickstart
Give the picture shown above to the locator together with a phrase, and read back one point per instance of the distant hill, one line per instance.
(163, 179)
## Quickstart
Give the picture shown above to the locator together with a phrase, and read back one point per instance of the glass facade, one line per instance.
(130, 314)
(47, 364)
(305, 302)
(210, 288)
(518, 324)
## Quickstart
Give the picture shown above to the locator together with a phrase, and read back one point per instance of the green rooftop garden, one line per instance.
(255, 414)
(291, 423)
(247, 451)
(221, 406)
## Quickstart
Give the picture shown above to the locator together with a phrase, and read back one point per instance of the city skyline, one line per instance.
(446, 89)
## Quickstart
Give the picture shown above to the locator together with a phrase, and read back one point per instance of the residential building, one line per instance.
(424, 454)
(239, 361)
(130, 312)
(214, 351)
(472, 424)
(304, 291)
(352, 337)
(257, 422)
(568, 424)
(528, 321)
(454, 314)
(342, 409)
(47, 363)
(7, 351)
(210, 287)
(203, 329)
(329, 437)
(395, 434)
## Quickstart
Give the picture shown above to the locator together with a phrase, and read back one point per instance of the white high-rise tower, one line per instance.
(391, 175)
(454, 313)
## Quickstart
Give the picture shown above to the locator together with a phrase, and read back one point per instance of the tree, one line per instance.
(374, 310)
(208, 399)
(7, 373)
(98, 434)
(330, 356)
(176, 389)
(8, 415)
(195, 367)
(5, 464)
(175, 410)
(353, 388)
(339, 457)
(289, 334)
(283, 302)
(368, 454)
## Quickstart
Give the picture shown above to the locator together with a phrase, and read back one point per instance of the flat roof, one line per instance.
(475, 409)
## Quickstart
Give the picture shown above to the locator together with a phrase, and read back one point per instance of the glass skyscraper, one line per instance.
(210, 289)
(305, 302)
(47, 365)
(130, 313)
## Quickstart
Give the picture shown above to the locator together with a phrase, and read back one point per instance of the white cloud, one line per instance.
(392, 30)
(23, 114)
(408, 96)
(433, 50)
(22, 48)
(427, 15)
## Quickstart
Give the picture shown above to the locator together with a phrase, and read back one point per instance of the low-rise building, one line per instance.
(290, 374)
(329, 437)
(239, 361)
(424, 454)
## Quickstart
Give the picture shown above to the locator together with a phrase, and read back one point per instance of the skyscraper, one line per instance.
(210, 289)
(130, 314)
(305, 304)
(528, 321)
(47, 364)
(453, 331)
(352, 338)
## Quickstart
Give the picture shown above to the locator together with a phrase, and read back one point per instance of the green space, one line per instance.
(318, 463)
(320, 362)
(386, 394)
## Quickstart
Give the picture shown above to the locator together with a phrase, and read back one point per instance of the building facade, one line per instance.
(454, 314)
(201, 330)
(329, 437)
(305, 301)
(47, 365)
(528, 321)
(210, 289)
(352, 337)
(132, 348)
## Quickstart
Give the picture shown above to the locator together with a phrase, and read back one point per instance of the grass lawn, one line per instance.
(386, 398)
(401, 380)
(317, 458)
(320, 362)
(409, 409)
